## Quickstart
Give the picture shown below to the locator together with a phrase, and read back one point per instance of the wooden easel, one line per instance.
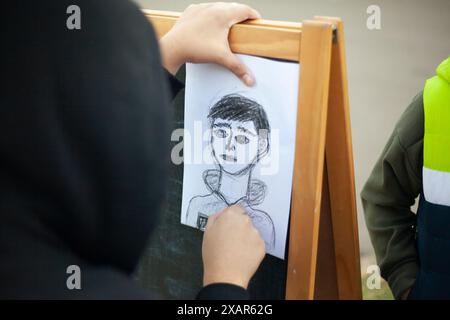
(323, 258)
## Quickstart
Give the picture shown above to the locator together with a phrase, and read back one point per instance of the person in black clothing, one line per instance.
(84, 147)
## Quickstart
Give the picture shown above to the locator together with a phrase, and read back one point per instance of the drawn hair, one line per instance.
(239, 108)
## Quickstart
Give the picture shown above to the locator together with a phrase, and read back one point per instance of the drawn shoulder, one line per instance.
(264, 223)
(204, 205)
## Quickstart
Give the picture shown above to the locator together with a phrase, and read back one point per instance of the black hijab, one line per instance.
(83, 147)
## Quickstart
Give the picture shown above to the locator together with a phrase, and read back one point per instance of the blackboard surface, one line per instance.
(171, 266)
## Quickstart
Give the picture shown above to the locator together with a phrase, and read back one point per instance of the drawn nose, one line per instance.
(230, 144)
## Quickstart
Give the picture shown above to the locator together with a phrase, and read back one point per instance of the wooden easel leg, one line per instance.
(339, 156)
(326, 277)
(309, 158)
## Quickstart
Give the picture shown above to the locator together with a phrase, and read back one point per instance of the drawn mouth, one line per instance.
(228, 158)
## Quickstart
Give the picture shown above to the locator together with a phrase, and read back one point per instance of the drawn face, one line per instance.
(235, 144)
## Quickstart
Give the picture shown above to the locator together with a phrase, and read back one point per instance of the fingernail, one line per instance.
(248, 80)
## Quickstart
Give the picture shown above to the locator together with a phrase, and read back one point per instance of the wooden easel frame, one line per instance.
(323, 258)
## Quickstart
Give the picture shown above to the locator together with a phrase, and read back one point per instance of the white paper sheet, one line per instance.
(226, 161)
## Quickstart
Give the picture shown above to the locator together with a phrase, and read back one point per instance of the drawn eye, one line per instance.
(220, 133)
(241, 139)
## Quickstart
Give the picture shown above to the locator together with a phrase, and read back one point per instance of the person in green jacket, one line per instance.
(413, 250)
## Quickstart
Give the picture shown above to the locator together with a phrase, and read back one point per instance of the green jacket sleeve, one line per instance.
(388, 195)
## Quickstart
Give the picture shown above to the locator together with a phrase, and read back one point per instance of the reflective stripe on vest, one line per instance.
(436, 144)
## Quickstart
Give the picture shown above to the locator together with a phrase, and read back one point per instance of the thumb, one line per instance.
(232, 62)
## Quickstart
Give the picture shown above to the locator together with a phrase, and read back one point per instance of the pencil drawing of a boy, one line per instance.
(240, 137)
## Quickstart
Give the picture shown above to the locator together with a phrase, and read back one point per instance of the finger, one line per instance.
(206, 4)
(196, 8)
(232, 62)
(238, 209)
(213, 218)
(241, 12)
(210, 222)
(241, 217)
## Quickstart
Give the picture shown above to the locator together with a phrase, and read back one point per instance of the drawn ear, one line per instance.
(263, 146)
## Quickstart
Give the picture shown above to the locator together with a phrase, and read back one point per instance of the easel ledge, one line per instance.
(323, 258)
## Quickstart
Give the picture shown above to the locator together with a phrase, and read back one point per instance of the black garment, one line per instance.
(84, 136)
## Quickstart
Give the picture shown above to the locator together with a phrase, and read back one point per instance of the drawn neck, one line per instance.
(234, 188)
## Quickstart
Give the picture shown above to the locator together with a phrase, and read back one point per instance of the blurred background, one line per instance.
(386, 69)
